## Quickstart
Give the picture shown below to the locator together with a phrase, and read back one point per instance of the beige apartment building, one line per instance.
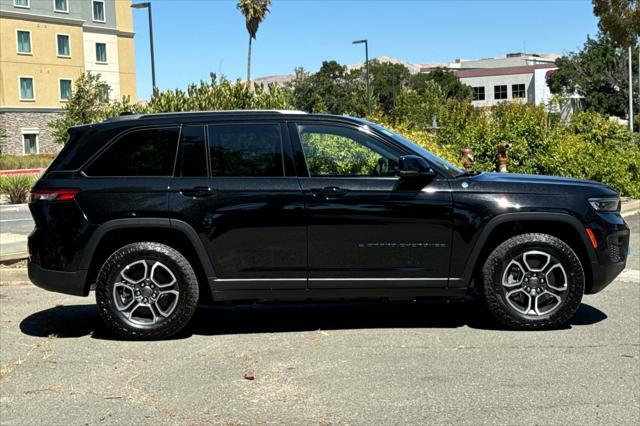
(44, 46)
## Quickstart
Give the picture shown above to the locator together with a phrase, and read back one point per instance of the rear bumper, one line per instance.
(73, 283)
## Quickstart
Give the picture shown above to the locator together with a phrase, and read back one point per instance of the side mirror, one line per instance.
(412, 166)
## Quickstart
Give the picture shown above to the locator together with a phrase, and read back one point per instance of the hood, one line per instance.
(521, 183)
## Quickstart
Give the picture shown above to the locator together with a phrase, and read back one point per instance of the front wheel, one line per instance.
(533, 281)
(146, 290)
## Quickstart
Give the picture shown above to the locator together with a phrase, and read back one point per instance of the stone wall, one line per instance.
(17, 123)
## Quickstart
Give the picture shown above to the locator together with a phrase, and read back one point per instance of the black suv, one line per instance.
(160, 212)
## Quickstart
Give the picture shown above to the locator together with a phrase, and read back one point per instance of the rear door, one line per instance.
(249, 209)
(364, 230)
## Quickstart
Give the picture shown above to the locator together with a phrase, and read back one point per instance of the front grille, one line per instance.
(616, 247)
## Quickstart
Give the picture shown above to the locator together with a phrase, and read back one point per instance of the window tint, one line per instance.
(341, 151)
(245, 150)
(192, 158)
(148, 152)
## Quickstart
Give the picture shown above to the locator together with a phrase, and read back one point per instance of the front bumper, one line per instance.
(73, 283)
(603, 275)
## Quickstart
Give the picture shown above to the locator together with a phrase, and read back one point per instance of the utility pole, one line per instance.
(630, 89)
(366, 65)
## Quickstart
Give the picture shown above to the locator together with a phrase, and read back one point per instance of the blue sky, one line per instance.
(195, 37)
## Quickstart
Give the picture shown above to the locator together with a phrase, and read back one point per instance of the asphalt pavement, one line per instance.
(371, 363)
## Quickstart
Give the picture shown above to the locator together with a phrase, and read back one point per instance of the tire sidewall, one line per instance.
(110, 274)
(499, 259)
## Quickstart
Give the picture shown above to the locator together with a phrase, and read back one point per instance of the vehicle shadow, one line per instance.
(82, 320)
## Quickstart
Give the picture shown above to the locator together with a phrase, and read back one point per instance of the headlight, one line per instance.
(605, 204)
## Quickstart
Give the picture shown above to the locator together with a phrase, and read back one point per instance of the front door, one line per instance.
(364, 232)
(245, 202)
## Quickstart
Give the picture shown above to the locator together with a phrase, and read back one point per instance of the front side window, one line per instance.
(101, 52)
(22, 3)
(26, 89)
(500, 92)
(342, 151)
(60, 6)
(63, 45)
(30, 141)
(65, 89)
(252, 150)
(98, 10)
(478, 93)
(146, 152)
(518, 91)
(24, 41)
(192, 154)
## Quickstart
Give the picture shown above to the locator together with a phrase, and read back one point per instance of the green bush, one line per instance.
(16, 162)
(17, 187)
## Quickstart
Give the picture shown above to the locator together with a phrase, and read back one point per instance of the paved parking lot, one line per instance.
(326, 363)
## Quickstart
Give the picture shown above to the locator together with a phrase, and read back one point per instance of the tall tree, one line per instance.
(450, 84)
(254, 12)
(388, 81)
(598, 73)
(619, 19)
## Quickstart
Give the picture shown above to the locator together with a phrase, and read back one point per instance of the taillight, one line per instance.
(53, 194)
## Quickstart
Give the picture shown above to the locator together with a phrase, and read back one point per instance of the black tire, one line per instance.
(185, 284)
(495, 292)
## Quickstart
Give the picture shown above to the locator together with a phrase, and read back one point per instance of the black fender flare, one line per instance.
(166, 223)
(572, 221)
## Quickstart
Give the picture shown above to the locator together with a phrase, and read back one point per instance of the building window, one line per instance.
(518, 91)
(27, 93)
(478, 93)
(30, 143)
(22, 3)
(65, 89)
(60, 6)
(64, 48)
(500, 92)
(103, 92)
(98, 10)
(24, 42)
(101, 52)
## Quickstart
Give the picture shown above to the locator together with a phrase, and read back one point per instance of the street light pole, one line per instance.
(147, 5)
(630, 89)
(366, 66)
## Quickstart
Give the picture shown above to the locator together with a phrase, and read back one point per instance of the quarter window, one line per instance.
(341, 151)
(518, 91)
(246, 150)
(192, 156)
(101, 52)
(147, 152)
(65, 89)
(500, 92)
(60, 6)
(30, 142)
(63, 45)
(478, 93)
(98, 10)
(26, 89)
(24, 41)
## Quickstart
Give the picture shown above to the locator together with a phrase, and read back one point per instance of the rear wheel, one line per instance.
(146, 290)
(533, 281)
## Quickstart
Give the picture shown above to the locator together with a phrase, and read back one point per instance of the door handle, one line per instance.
(329, 191)
(198, 191)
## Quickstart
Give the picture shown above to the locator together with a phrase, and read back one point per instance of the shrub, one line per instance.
(13, 162)
(17, 187)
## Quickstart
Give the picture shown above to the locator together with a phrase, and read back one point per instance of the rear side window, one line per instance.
(145, 152)
(246, 150)
(192, 155)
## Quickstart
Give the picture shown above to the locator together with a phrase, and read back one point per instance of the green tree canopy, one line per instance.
(619, 19)
(387, 82)
(450, 84)
(599, 73)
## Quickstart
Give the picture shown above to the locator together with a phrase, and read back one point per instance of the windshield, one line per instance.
(446, 166)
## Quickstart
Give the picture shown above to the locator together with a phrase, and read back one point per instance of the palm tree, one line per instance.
(254, 12)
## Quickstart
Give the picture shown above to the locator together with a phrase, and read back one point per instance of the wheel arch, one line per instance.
(507, 225)
(117, 233)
